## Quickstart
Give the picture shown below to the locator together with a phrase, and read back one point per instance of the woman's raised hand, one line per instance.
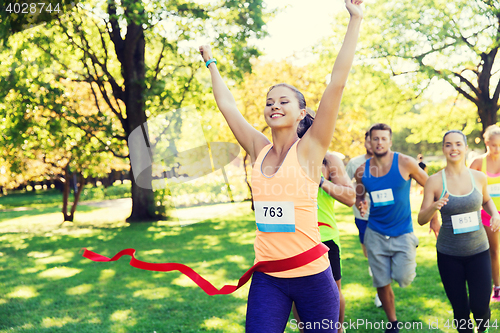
(354, 7)
(441, 202)
(495, 223)
(206, 52)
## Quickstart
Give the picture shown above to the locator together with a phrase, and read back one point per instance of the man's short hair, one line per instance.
(380, 127)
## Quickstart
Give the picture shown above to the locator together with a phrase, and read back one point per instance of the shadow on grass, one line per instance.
(49, 287)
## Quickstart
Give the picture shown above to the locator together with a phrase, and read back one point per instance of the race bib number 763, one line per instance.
(275, 216)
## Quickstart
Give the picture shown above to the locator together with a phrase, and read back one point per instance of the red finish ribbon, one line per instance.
(262, 266)
(324, 224)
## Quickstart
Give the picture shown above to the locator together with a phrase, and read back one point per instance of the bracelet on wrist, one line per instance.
(321, 181)
(209, 61)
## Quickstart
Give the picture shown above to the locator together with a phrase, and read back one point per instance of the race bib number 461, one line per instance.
(466, 222)
(382, 197)
(275, 216)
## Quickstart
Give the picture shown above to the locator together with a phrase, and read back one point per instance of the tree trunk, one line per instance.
(79, 182)
(143, 206)
(66, 191)
(134, 71)
(488, 115)
(78, 192)
(246, 177)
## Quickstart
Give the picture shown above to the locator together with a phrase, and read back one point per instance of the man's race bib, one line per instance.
(275, 216)
(382, 197)
(466, 222)
(494, 190)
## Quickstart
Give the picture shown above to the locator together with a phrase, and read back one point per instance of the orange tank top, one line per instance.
(286, 214)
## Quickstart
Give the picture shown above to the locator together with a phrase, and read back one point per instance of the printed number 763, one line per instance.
(273, 212)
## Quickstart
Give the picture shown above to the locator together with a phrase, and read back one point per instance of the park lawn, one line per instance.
(44, 199)
(47, 286)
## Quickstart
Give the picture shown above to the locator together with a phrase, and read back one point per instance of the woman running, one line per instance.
(285, 178)
(489, 164)
(462, 245)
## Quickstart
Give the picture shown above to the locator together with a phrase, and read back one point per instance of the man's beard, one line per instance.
(380, 154)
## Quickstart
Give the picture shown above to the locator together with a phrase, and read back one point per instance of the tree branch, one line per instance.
(467, 82)
(115, 33)
(496, 94)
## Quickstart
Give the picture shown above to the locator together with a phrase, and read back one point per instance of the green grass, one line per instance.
(53, 198)
(47, 286)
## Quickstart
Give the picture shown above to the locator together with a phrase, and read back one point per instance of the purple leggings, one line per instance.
(270, 301)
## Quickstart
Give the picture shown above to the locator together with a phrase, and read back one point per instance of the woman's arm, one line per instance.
(318, 137)
(248, 137)
(477, 164)
(429, 206)
(337, 184)
(414, 170)
(361, 203)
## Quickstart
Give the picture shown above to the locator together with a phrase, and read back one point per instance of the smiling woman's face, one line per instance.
(454, 147)
(282, 108)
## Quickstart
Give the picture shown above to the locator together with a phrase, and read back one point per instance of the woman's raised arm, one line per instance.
(248, 137)
(320, 134)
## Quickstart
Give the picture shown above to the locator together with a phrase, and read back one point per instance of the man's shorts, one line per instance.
(391, 258)
(335, 262)
(361, 224)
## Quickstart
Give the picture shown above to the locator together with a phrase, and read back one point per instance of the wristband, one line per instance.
(209, 61)
(321, 181)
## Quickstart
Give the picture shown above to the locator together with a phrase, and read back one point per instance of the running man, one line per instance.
(389, 238)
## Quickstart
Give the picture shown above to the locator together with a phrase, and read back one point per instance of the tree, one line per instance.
(133, 55)
(51, 130)
(454, 41)
(371, 94)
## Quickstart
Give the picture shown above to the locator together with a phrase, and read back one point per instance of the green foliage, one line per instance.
(439, 45)
(132, 59)
(17, 16)
(94, 193)
(435, 166)
(47, 121)
(371, 95)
